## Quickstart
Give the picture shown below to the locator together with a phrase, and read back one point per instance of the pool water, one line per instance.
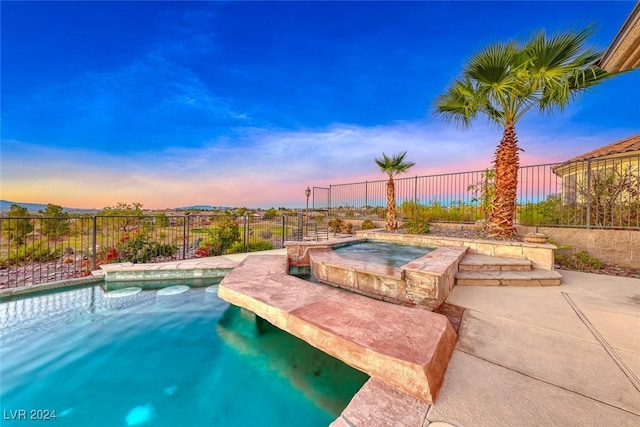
(188, 359)
(389, 254)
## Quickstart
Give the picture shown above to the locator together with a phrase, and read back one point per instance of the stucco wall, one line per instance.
(618, 247)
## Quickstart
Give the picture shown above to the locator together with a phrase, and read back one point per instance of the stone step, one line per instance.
(478, 262)
(534, 277)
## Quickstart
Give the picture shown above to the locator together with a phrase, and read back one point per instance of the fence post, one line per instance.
(245, 233)
(588, 193)
(283, 229)
(329, 203)
(95, 243)
(184, 237)
(366, 199)
(415, 190)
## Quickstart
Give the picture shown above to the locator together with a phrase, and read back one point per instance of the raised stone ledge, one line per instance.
(298, 252)
(540, 254)
(424, 282)
(188, 269)
(404, 347)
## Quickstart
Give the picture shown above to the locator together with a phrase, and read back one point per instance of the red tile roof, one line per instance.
(631, 143)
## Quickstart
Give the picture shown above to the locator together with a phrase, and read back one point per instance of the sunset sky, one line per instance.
(248, 103)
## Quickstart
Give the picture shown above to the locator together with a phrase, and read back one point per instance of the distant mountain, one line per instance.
(203, 208)
(5, 205)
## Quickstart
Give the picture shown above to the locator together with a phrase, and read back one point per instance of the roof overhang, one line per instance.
(624, 52)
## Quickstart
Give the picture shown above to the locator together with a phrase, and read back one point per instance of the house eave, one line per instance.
(624, 52)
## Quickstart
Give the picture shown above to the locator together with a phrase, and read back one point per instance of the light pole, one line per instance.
(307, 193)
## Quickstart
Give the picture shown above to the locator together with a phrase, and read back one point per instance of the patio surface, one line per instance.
(564, 355)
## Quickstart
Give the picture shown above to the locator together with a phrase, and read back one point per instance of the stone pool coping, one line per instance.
(43, 287)
(540, 254)
(206, 268)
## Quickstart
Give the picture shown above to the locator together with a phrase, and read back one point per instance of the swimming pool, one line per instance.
(384, 253)
(188, 359)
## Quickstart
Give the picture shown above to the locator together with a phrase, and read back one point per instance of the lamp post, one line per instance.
(307, 193)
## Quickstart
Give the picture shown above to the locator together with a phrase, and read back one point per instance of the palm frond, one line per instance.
(394, 164)
(506, 80)
(459, 104)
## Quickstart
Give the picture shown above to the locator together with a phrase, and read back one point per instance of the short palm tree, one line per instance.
(392, 166)
(503, 82)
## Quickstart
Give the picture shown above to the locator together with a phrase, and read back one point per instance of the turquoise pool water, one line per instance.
(147, 360)
(389, 254)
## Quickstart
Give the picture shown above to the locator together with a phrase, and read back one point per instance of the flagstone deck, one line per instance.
(405, 348)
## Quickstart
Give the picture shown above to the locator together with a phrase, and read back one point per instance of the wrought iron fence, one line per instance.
(40, 249)
(592, 193)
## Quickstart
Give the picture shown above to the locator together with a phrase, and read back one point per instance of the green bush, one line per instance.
(417, 218)
(38, 252)
(580, 260)
(236, 248)
(220, 239)
(417, 226)
(139, 248)
(547, 212)
(337, 225)
(456, 211)
(367, 224)
(17, 225)
(260, 245)
(254, 246)
(587, 260)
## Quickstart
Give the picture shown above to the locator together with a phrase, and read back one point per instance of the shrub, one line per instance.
(547, 212)
(367, 224)
(417, 218)
(139, 248)
(260, 245)
(236, 248)
(255, 246)
(339, 226)
(220, 238)
(587, 260)
(17, 225)
(270, 213)
(38, 252)
(580, 260)
(417, 226)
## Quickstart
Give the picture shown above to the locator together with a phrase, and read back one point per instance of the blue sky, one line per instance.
(246, 103)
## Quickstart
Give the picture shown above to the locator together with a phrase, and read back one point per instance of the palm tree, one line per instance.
(392, 166)
(503, 82)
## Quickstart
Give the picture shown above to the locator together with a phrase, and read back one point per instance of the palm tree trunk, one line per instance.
(506, 164)
(391, 205)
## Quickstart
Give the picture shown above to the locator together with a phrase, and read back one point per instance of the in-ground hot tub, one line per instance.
(403, 274)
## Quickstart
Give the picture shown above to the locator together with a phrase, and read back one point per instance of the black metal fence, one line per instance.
(594, 193)
(40, 249)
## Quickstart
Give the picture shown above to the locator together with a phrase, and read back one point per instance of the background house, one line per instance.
(614, 169)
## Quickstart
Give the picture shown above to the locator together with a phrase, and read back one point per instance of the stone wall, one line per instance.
(616, 247)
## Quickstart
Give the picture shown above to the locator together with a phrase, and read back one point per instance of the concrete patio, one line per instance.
(558, 356)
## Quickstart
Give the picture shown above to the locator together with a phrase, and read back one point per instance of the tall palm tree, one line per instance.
(505, 81)
(392, 166)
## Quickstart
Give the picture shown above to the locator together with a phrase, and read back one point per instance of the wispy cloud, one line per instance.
(260, 167)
